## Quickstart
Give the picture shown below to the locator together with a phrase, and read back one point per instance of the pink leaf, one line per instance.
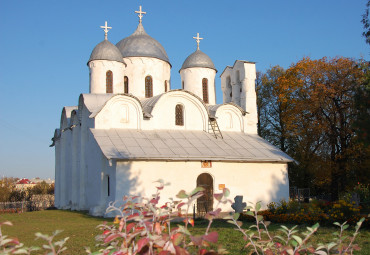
(218, 196)
(130, 226)
(181, 251)
(211, 237)
(157, 228)
(180, 205)
(111, 238)
(154, 201)
(197, 240)
(141, 243)
(164, 253)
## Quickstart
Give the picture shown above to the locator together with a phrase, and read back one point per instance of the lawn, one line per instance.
(81, 228)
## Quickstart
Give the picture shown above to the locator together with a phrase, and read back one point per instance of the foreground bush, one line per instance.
(145, 226)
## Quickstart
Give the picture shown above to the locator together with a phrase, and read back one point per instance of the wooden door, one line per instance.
(205, 203)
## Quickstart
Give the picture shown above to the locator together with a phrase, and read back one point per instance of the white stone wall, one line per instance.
(264, 182)
(120, 112)
(192, 80)
(57, 188)
(98, 70)
(229, 118)
(76, 148)
(195, 113)
(239, 81)
(139, 67)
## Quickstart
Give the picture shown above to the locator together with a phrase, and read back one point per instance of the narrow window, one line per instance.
(108, 185)
(179, 115)
(109, 81)
(205, 90)
(125, 81)
(148, 86)
(182, 85)
(165, 86)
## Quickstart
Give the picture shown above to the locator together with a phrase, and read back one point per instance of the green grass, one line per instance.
(81, 228)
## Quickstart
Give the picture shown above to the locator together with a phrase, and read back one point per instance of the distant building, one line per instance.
(23, 184)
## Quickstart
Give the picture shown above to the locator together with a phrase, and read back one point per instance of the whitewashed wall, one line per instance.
(120, 112)
(264, 182)
(139, 67)
(229, 118)
(98, 70)
(195, 113)
(192, 79)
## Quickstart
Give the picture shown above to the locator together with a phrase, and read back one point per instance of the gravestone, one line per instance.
(238, 205)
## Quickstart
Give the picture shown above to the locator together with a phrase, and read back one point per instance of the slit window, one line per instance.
(179, 115)
(125, 81)
(205, 90)
(109, 81)
(108, 185)
(148, 87)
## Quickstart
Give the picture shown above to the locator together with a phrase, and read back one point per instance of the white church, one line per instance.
(132, 129)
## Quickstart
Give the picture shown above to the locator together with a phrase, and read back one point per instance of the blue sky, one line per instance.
(45, 45)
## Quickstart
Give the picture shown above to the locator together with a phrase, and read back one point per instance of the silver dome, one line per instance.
(140, 44)
(106, 51)
(198, 59)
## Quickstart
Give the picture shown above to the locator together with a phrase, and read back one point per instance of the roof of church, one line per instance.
(140, 44)
(106, 51)
(124, 144)
(198, 59)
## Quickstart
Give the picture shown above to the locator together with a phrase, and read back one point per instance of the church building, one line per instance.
(132, 129)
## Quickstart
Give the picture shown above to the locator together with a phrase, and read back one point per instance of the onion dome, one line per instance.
(140, 44)
(198, 59)
(106, 51)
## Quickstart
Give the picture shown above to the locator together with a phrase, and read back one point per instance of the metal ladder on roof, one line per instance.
(212, 125)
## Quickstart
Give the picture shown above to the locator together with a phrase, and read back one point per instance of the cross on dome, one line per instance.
(106, 30)
(198, 40)
(140, 12)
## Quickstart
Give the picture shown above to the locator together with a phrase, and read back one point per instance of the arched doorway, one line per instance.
(205, 203)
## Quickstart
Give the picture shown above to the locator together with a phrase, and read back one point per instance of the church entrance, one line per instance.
(205, 203)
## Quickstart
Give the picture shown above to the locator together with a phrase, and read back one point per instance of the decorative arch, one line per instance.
(179, 115)
(230, 117)
(205, 90)
(125, 83)
(109, 81)
(205, 202)
(148, 86)
(156, 106)
(120, 111)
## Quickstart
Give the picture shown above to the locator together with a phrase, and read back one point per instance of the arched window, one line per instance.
(109, 82)
(179, 115)
(165, 86)
(148, 86)
(205, 90)
(125, 81)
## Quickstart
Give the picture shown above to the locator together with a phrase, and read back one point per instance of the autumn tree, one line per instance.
(324, 92)
(366, 23)
(310, 107)
(272, 111)
(7, 186)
